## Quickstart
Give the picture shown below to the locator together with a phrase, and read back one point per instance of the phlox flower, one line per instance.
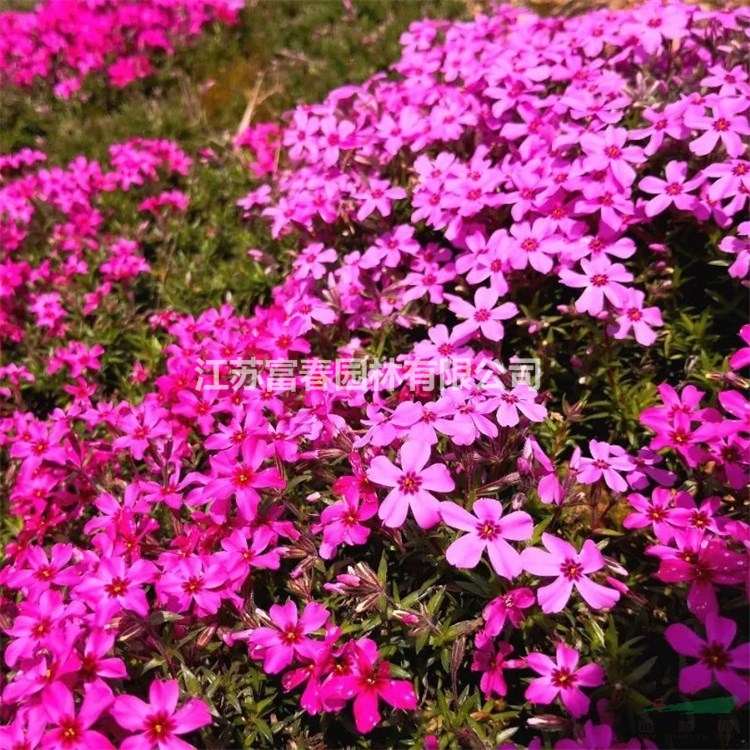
(492, 660)
(369, 682)
(159, 722)
(717, 660)
(633, 316)
(571, 569)
(702, 562)
(517, 402)
(508, 606)
(658, 512)
(563, 678)
(412, 485)
(70, 730)
(600, 280)
(725, 124)
(196, 579)
(674, 190)
(606, 463)
(117, 585)
(343, 523)
(377, 195)
(483, 315)
(487, 529)
(607, 150)
(286, 636)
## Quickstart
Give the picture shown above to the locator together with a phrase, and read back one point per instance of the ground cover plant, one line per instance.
(413, 415)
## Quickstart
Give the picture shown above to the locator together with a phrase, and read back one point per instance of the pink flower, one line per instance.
(601, 280)
(520, 400)
(277, 645)
(377, 195)
(607, 461)
(487, 530)
(607, 150)
(73, 731)
(158, 722)
(507, 606)
(658, 511)
(370, 680)
(562, 678)
(482, 315)
(674, 190)
(117, 585)
(492, 660)
(725, 124)
(196, 579)
(412, 485)
(632, 315)
(571, 570)
(717, 662)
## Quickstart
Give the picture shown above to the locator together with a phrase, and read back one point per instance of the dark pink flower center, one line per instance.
(116, 587)
(482, 316)
(193, 585)
(563, 678)
(70, 731)
(599, 279)
(714, 656)
(292, 634)
(721, 125)
(571, 570)
(674, 188)
(159, 727)
(488, 530)
(409, 483)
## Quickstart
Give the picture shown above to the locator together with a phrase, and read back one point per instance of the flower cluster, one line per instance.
(63, 42)
(512, 176)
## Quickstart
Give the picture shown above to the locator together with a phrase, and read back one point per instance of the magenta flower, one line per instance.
(487, 530)
(600, 279)
(116, 585)
(287, 635)
(71, 731)
(633, 316)
(158, 722)
(674, 190)
(508, 606)
(412, 485)
(492, 660)
(725, 124)
(563, 678)
(370, 681)
(658, 512)
(717, 661)
(607, 150)
(196, 579)
(607, 461)
(571, 570)
(482, 315)
(517, 402)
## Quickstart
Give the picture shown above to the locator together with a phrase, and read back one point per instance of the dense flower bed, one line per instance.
(347, 516)
(62, 42)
